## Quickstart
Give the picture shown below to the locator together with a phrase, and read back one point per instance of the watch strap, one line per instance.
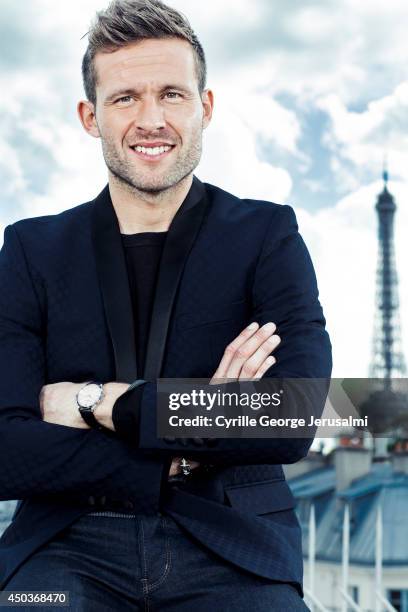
(90, 418)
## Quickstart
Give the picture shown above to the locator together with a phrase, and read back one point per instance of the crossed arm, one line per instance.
(40, 456)
(247, 356)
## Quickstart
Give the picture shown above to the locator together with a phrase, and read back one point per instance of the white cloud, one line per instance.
(10, 170)
(231, 160)
(81, 174)
(364, 137)
(265, 117)
(234, 12)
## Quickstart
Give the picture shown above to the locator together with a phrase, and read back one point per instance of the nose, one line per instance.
(150, 115)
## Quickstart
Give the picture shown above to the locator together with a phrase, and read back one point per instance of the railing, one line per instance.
(317, 605)
(347, 601)
(350, 601)
(380, 597)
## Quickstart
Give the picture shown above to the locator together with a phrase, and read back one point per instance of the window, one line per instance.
(353, 593)
(399, 599)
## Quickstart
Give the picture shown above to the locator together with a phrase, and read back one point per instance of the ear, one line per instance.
(86, 113)
(207, 99)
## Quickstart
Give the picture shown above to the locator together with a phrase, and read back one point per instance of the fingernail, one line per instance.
(269, 326)
(253, 325)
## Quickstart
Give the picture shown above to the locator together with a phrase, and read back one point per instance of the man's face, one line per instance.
(149, 112)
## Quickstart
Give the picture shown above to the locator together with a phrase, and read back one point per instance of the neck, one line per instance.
(140, 211)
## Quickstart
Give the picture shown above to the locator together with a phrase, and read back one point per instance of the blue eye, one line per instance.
(124, 99)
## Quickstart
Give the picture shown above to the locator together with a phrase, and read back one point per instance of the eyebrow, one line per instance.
(132, 91)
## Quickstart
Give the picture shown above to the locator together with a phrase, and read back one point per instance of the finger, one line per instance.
(246, 350)
(251, 366)
(232, 347)
(174, 466)
(269, 361)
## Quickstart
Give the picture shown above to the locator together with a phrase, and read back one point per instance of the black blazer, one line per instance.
(66, 315)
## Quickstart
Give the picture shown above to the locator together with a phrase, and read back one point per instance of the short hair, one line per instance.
(128, 21)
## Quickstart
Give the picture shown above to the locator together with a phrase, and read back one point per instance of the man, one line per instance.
(161, 276)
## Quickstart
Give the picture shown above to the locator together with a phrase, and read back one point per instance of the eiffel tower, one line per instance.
(387, 356)
(387, 407)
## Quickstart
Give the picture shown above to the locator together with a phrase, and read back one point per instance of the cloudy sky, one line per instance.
(309, 97)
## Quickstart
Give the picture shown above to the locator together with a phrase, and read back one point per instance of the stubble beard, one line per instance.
(136, 180)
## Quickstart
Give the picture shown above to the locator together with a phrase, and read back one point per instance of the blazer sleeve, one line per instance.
(39, 458)
(285, 292)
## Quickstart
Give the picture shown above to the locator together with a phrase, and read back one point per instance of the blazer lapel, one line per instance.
(181, 236)
(112, 272)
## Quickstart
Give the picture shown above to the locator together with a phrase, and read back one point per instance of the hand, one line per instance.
(58, 404)
(248, 356)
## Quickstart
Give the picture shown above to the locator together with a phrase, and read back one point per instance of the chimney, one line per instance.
(351, 460)
(399, 456)
(314, 460)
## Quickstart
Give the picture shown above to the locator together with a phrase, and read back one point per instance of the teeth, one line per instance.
(152, 150)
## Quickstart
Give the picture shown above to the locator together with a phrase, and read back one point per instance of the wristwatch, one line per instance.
(87, 399)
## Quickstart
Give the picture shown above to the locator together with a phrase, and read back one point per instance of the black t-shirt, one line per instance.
(142, 253)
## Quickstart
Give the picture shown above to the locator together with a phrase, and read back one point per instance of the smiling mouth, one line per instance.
(152, 153)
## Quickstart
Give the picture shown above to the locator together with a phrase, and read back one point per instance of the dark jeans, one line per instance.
(125, 562)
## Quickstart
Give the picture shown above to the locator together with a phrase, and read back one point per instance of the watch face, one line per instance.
(89, 395)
